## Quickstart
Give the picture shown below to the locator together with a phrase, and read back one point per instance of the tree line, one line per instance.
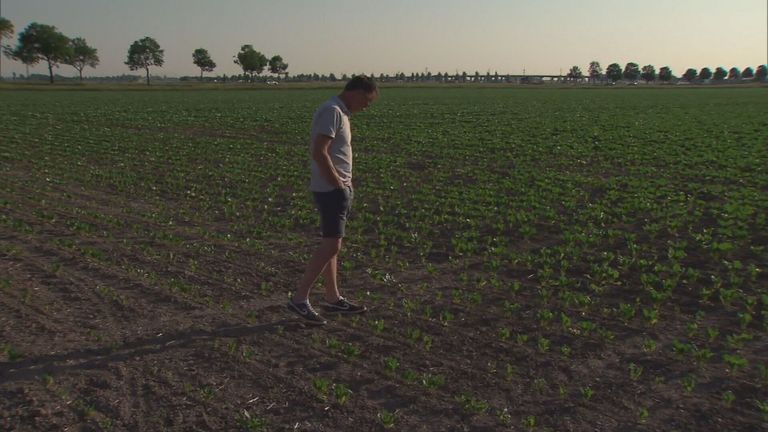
(632, 72)
(44, 43)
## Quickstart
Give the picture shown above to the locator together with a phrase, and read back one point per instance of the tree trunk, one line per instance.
(50, 71)
(147, 75)
(81, 75)
(201, 74)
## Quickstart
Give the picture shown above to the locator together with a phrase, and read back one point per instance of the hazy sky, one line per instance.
(365, 36)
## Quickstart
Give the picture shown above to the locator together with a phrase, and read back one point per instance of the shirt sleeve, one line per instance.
(327, 122)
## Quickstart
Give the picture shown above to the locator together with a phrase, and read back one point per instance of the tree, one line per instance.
(720, 74)
(613, 72)
(6, 31)
(762, 73)
(81, 55)
(202, 59)
(690, 74)
(665, 74)
(250, 60)
(648, 73)
(705, 74)
(595, 71)
(748, 73)
(575, 73)
(6, 28)
(144, 53)
(631, 71)
(734, 74)
(40, 42)
(22, 54)
(277, 66)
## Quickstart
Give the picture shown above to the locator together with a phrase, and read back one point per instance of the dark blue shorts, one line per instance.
(334, 207)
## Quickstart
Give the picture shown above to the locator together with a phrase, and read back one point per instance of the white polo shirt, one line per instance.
(332, 119)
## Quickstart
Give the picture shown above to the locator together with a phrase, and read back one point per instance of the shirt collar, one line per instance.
(343, 107)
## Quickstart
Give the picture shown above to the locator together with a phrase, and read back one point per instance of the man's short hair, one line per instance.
(361, 82)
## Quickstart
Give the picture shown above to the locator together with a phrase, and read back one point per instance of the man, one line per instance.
(331, 185)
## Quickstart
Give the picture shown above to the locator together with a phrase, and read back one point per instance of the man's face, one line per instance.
(360, 100)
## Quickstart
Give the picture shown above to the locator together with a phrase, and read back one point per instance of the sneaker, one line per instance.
(305, 311)
(343, 306)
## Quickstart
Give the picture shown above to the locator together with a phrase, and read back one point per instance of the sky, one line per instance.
(389, 36)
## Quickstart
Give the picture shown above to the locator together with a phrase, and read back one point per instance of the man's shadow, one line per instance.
(98, 358)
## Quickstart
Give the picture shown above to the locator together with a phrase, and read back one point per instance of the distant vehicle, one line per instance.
(272, 82)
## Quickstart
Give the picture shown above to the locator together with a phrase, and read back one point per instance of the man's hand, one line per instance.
(320, 154)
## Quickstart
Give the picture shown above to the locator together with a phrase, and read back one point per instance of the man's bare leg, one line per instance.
(330, 278)
(321, 258)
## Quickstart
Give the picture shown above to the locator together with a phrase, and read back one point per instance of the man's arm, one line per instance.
(320, 154)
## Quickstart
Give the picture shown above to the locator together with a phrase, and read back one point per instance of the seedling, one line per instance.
(432, 382)
(378, 325)
(529, 422)
(473, 405)
(410, 376)
(11, 353)
(505, 417)
(763, 369)
(521, 339)
(342, 393)
(543, 344)
(728, 398)
(510, 371)
(250, 423)
(643, 414)
(445, 317)
(587, 393)
(735, 362)
(391, 364)
(763, 407)
(321, 386)
(387, 418)
(689, 382)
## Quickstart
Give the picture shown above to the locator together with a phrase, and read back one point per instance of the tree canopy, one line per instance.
(720, 74)
(40, 42)
(575, 73)
(632, 71)
(203, 60)
(144, 53)
(648, 73)
(665, 74)
(613, 72)
(690, 74)
(6, 31)
(762, 73)
(251, 61)
(6, 28)
(277, 66)
(81, 55)
(705, 73)
(595, 70)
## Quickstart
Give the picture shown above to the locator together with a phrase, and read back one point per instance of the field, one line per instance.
(535, 259)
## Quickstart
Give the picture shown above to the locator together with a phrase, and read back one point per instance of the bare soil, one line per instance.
(113, 319)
